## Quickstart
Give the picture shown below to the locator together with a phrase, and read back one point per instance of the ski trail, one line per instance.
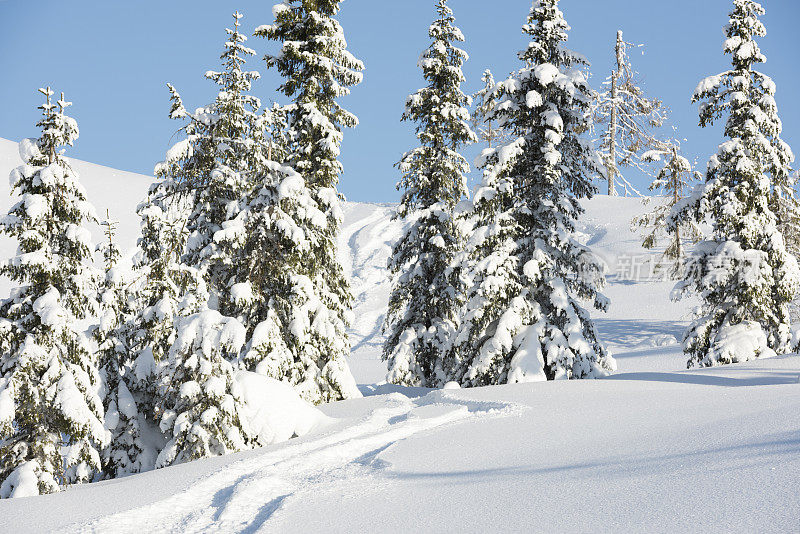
(349, 235)
(368, 241)
(242, 496)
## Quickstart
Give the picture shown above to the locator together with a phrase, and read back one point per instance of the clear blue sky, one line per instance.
(113, 59)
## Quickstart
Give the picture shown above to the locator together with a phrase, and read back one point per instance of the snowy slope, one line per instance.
(365, 244)
(119, 192)
(631, 328)
(654, 448)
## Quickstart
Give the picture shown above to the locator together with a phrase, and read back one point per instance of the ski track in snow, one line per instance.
(367, 270)
(243, 496)
(368, 234)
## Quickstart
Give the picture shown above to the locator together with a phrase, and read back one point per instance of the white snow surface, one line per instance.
(654, 448)
(293, 416)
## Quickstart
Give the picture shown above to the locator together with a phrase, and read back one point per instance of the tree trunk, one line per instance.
(676, 186)
(612, 126)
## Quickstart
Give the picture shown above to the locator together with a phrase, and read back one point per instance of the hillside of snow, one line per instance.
(641, 317)
(109, 190)
(654, 448)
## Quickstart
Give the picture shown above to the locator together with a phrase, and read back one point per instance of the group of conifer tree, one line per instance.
(236, 268)
(491, 293)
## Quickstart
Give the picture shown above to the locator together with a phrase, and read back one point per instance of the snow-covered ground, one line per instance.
(654, 448)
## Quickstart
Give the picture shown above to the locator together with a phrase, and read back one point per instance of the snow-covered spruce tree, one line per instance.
(742, 272)
(786, 206)
(160, 284)
(228, 134)
(51, 413)
(252, 226)
(201, 404)
(423, 307)
(164, 290)
(671, 184)
(124, 453)
(318, 69)
(627, 117)
(522, 321)
(485, 101)
(108, 248)
(280, 225)
(170, 338)
(194, 397)
(207, 176)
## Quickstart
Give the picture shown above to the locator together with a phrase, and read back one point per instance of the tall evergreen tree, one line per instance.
(162, 290)
(51, 413)
(523, 321)
(161, 284)
(742, 271)
(228, 133)
(207, 174)
(275, 295)
(423, 307)
(318, 70)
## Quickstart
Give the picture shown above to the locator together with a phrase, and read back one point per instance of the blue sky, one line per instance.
(113, 59)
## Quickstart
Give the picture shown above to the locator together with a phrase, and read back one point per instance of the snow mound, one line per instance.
(740, 343)
(22, 482)
(274, 411)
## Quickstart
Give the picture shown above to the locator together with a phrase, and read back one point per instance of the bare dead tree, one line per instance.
(625, 120)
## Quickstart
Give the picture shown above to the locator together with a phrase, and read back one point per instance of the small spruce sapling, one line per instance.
(671, 184)
(124, 454)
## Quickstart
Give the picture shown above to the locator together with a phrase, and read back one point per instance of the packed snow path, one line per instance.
(243, 495)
